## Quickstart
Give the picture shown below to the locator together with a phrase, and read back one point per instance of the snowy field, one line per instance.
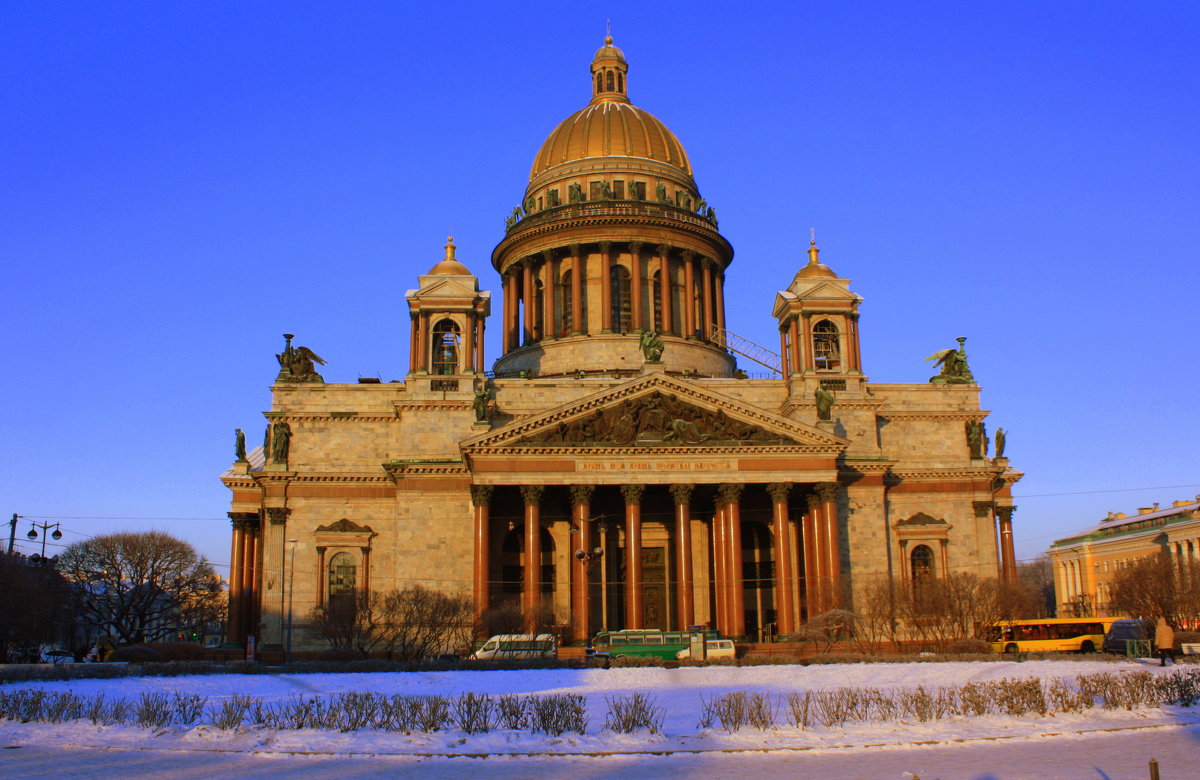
(1095, 743)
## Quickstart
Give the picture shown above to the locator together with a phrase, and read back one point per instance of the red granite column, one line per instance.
(481, 496)
(479, 323)
(412, 343)
(784, 610)
(527, 296)
(689, 293)
(578, 326)
(797, 364)
(664, 275)
(730, 495)
(720, 588)
(466, 361)
(1008, 558)
(685, 596)
(533, 556)
(827, 493)
(635, 286)
(549, 288)
(813, 599)
(606, 323)
(233, 632)
(581, 497)
(707, 314)
(634, 605)
(719, 304)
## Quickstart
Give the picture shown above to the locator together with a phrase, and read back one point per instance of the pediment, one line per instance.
(446, 287)
(655, 411)
(824, 290)
(920, 519)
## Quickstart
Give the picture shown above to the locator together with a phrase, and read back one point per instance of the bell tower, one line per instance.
(818, 328)
(448, 313)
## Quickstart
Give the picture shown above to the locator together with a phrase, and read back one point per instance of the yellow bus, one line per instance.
(1063, 635)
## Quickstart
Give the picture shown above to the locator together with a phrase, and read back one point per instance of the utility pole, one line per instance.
(12, 532)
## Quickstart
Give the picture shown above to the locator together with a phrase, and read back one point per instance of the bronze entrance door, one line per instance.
(654, 590)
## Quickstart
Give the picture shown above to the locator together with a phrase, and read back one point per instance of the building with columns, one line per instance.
(1086, 563)
(614, 468)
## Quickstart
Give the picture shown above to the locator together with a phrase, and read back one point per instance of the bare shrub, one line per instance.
(1016, 696)
(120, 711)
(434, 713)
(474, 714)
(187, 707)
(135, 654)
(830, 707)
(627, 714)
(800, 707)
(152, 711)
(962, 646)
(557, 713)
(356, 710)
(1061, 696)
(229, 713)
(975, 699)
(97, 710)
(269, 715)
(511, 709)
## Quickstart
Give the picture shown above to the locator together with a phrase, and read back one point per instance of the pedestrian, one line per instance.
(1164, 641)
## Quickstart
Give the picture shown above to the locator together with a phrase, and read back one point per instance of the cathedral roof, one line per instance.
(610, 126)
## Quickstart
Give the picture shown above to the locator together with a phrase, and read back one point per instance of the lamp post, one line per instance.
(33, 534)
(287, 647)
(590, 557)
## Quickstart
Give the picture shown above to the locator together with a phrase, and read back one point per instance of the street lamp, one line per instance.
(287, 647)
(590, 557)
(33, 534)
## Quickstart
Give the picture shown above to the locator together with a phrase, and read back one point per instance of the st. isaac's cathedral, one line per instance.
(614, 468)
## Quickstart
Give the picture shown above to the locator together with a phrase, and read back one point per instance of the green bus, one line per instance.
(645, 642)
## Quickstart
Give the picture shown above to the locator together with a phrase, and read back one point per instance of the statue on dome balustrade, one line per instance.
(955, 370)
(296, 364)
(652, 346)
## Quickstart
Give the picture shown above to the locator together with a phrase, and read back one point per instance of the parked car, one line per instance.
(505, 646)
(57, 657)
(714, 648)
(1123, 631)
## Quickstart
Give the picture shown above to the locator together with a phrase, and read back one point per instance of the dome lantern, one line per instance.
(608, 74)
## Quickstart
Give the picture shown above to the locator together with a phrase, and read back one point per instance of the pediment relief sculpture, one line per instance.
(655, 419)
(345, 526)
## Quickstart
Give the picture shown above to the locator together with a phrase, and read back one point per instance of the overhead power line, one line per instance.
(1113, 490)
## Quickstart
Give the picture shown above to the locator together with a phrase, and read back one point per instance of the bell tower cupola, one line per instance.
(608, 74)
(818, 327)
(447, 315)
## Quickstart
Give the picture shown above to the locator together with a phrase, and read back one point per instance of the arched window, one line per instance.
(599, 82)
(922, 565)
(622, 312)
(342, 575)
(620, 82)
(445, 347)
(565, 323)
(826, 350)
(609, 82)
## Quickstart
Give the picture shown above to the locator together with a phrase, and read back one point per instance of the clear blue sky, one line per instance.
(181, 183)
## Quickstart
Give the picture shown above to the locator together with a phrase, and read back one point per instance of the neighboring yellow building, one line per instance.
(1085, 564)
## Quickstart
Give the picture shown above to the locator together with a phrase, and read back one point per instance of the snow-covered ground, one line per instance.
(1095, 743)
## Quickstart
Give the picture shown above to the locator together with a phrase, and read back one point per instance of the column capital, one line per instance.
(1005, 513)
(778, 491)
(581, 494)
(243, 521)
(983, 508)
(547, 255)
(606, 247)
(826, 491)
(481, 495)
(688, 254)
(574, 249)
(633, 493)
(662, 250)
(706, 263)
(682, 493)
(278, 515)
(635, 247)
(730, 493)
(532, 494)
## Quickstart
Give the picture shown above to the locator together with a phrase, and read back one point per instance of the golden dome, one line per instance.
(610, 129)
(610, 126)
(815, 268)
(449, 266)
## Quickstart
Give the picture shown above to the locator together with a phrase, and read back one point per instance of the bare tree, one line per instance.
(407, 624)
(143, 587)
(876, 610)
(1157, 586)
(1036, 578)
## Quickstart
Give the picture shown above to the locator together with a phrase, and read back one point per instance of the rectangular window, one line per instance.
(637, 190)
(596, 190)
(618, 190)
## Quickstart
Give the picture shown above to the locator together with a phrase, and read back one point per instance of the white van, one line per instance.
(713, 648)
(504, 646)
